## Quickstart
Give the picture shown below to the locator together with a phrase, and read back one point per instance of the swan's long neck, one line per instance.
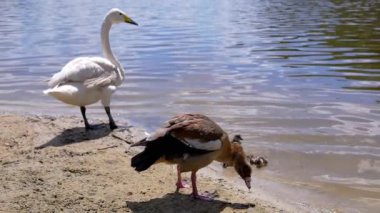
(105, 30)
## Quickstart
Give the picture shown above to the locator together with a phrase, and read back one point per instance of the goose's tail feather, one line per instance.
(152, 152)
(142, 142)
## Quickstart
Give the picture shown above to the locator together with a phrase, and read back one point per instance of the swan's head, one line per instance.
(118, 16)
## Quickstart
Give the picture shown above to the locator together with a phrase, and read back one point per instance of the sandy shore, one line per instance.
(52, 164)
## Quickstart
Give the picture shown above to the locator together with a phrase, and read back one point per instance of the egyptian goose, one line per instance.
(192, 141)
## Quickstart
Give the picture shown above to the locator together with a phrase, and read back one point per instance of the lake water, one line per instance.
(299, 80)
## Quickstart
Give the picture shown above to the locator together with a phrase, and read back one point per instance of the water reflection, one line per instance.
(298, 79)
(353, 44)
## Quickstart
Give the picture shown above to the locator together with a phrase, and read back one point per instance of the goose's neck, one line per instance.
(105, 30)
(226, 150)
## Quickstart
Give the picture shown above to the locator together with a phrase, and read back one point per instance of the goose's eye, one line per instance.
(120, 14)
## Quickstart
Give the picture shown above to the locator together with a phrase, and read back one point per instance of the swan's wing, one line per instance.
(101, 81)
(84, 69)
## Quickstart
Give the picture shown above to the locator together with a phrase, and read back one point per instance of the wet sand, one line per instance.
(52, 164)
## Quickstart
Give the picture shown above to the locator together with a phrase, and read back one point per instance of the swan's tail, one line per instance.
(47, 91)
(52, 91)
(57, 79)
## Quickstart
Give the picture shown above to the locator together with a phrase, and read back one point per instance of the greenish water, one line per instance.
(299, 80)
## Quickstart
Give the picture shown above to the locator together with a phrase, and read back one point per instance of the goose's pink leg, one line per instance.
(195, 193)
(180, 184)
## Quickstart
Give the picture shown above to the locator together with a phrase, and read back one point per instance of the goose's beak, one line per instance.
(248, 182)
(129, 20)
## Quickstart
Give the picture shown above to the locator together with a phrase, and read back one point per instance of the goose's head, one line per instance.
(238, 161)
(116, 15)
(240, 164)
(244, 170)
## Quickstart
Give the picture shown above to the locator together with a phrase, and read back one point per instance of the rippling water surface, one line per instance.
(299, 80)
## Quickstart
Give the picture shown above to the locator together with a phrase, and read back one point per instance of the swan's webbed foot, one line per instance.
(86, 124)
(112, 122)
(113, 126)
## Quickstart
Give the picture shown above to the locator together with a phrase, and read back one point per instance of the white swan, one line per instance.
(86, 80)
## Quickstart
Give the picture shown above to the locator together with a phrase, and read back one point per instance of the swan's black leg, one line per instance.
(112, 122)
(83, 111)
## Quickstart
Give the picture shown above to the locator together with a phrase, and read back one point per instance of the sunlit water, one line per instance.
(299, 80)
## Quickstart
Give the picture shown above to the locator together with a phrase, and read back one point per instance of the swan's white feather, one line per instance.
(86, 80)
(93, 71)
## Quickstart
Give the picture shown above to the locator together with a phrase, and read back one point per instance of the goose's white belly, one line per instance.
(76, 94)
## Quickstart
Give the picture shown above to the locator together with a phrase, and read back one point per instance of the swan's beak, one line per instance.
(129, 20)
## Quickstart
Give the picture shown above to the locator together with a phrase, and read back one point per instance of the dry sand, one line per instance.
(50, 164)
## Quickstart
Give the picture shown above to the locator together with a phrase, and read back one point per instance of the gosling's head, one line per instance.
(237, 139)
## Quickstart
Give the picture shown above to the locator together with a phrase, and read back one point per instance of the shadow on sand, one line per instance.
(176, 202)
(77, 135)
